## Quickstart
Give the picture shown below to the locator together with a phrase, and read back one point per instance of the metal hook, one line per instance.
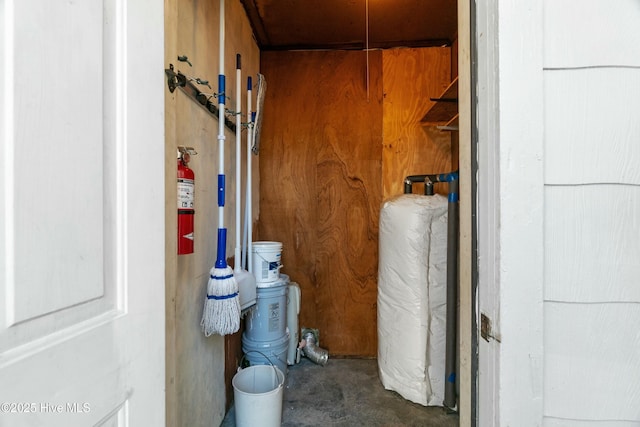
(183, 58)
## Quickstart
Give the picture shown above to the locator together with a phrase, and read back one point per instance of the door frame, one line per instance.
(508, 139)
(467, 343)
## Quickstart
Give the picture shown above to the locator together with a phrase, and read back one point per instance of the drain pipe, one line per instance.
(452, 296)
(452, 275)
(428, 181)
(310, 348)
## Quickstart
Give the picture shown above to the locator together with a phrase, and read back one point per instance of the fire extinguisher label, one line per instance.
(185, 193)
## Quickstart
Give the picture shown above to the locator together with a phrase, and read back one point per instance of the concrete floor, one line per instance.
(348, 392)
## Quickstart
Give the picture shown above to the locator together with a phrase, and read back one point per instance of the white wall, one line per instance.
(591, 213)
(559, 212)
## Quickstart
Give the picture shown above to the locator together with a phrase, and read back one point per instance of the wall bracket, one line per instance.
(180, 81)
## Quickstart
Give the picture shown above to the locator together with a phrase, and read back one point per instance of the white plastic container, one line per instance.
(293, 310)
(267, 258)
(267, 352)
(267, 321)
(258, 393)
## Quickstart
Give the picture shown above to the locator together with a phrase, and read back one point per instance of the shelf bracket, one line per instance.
(444, 99)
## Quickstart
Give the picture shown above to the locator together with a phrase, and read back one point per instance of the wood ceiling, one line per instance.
(342, 24)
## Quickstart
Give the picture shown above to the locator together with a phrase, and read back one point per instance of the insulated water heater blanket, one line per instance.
(412, 290)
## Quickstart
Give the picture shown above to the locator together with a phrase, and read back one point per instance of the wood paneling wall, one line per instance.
(320, 183)
(410, 78)
(325, 156)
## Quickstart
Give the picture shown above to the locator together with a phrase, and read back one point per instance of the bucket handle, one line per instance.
(269, 262)
(263, 355)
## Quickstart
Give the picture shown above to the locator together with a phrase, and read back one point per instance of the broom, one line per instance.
(262, 89)
(221, 313)
(246, 281)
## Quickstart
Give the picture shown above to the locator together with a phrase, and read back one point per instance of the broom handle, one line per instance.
(250, 186)
(237, 255)
(247, 207)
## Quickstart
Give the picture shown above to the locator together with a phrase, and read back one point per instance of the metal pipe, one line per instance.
(428, 187)
(452, 296)
(311, 350)
(441, 177)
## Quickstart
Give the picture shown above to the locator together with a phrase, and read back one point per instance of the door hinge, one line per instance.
(485, 328)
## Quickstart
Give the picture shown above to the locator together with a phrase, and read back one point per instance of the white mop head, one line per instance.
(221, 314)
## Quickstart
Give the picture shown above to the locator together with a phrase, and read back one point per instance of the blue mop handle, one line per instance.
(221, 261)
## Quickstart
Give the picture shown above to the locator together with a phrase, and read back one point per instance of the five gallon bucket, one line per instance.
(267, 352)
(258, 391)
(267, 321)
(266, 261)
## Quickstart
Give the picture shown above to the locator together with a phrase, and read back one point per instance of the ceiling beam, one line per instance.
(359, 45)
(259, 31)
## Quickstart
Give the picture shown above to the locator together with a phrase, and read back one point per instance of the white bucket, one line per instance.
(266, 261)
(258, 391)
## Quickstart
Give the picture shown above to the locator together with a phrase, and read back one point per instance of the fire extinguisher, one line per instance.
(186, 190)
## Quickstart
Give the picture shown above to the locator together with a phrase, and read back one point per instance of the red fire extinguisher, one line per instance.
(186, 190)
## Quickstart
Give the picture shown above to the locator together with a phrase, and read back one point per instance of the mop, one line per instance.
(221, 313)
(252, 146)
(246, 281)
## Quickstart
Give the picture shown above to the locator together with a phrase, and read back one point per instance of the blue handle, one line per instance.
(221, 185)
(221, 87)
(249, 83)
(221, 261)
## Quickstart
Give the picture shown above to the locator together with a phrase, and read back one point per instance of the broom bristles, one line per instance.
(262, 88)
(221, 314)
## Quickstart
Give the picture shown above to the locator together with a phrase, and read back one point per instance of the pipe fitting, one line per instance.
(310, 348)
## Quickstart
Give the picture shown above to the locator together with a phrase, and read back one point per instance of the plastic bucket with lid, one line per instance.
(267, 352)
(266, 261)
(267, 320)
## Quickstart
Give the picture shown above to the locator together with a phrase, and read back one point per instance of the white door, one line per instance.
(81, 213)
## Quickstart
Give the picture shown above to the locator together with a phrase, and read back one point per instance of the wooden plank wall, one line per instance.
(195, 365)
(323, 164)
(410, 78)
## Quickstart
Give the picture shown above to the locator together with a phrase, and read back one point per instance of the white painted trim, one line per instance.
(521, 257)
(487, 209)
(510, 211)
